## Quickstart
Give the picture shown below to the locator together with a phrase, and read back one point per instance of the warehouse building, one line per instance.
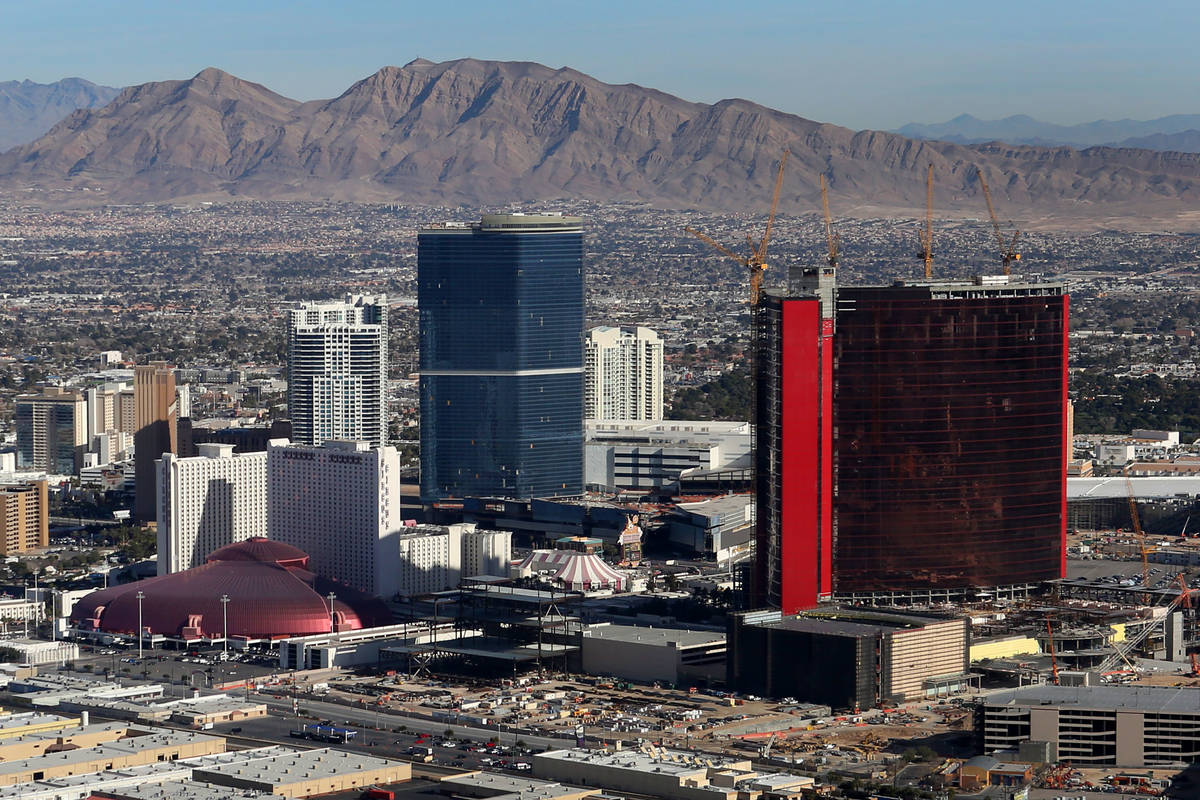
(670, 774)
(653, 654)
(303, 773)
(1128, 726)
(510, 787)
(848, 658)
(148, 747)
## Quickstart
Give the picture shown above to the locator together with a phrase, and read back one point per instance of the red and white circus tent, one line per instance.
(573, 570)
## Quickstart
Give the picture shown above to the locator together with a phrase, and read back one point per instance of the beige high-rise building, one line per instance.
(111, 425)
(623, 373)
(156, 418)
(24, 517)
(208, 501)
(51, 430)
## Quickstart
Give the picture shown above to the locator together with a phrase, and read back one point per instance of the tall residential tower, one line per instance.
(501, 326)
(51, 430)
(156, 416)
(337, 370)
(624, 373)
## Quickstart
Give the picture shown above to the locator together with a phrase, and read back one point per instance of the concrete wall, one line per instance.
(1131, 739)
(1004, 648)
(634, 661)
(1043, 724)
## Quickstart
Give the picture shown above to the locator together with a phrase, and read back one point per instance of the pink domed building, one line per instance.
(272, 595)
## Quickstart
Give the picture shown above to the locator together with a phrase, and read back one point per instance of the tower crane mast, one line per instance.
(927, 233)
(832, 239)
(756, 262)
(1008, 249)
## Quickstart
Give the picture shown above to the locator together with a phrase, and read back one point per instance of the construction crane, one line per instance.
(1050, 647)
(1123, 650)
(1137, 531)
(833, 240)
(756, 262)
(1008, 250)
(927, 234)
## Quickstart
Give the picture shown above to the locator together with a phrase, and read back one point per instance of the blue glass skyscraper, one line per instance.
(501, 330)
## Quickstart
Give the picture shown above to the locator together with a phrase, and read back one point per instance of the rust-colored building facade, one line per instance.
(24, 517)
(155, 420)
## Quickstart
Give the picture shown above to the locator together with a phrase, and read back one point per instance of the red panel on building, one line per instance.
(794, 452)
(800, 454)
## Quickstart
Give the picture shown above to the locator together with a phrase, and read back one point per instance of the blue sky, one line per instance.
(865, 64)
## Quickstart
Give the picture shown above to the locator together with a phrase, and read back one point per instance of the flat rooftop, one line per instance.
(161, 738)
(659, 761)
(653, 636)
(1102, 698)
(718, 506)
(188, 790)
(846, 622)
(140, 781)
(1115, 489)
(494, 783)
(296, 765)
(935, 289)
(13, 722)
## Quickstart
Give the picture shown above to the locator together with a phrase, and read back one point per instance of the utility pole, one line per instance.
(140, 597)
(225, 620)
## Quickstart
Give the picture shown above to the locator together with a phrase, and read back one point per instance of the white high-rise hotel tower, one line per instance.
(337, 370)
(624, 374)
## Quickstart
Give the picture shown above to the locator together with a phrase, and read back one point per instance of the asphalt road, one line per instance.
(367, 719)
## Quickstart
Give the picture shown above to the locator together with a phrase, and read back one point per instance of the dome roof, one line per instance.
(261, 549)
(271, 595)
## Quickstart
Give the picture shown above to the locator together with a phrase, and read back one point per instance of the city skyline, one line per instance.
(1080, 62)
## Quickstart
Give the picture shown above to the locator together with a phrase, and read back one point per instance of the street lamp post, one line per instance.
(332, 622)
(225, 620)
(140, 597)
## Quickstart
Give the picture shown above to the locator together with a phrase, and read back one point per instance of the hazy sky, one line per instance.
(863, 64)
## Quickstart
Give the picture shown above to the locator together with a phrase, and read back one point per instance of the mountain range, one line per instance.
(28, 109)
(1178, 132)
(486, 133)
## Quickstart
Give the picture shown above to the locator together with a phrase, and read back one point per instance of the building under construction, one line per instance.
(912, 440)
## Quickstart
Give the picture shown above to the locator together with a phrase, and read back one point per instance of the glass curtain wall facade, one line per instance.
(501, 335)
(950, 414)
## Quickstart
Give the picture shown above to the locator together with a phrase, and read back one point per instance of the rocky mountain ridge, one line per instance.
(486, 133)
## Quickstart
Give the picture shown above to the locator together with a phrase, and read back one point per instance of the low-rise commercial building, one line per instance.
(303, 773)
(13, 726)
(354, 648)
(35, 652)
(627, 454)
(510, 787)
(656, 772)
(722, 528)
(256, 774)
(143, 747)
(981, 772)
